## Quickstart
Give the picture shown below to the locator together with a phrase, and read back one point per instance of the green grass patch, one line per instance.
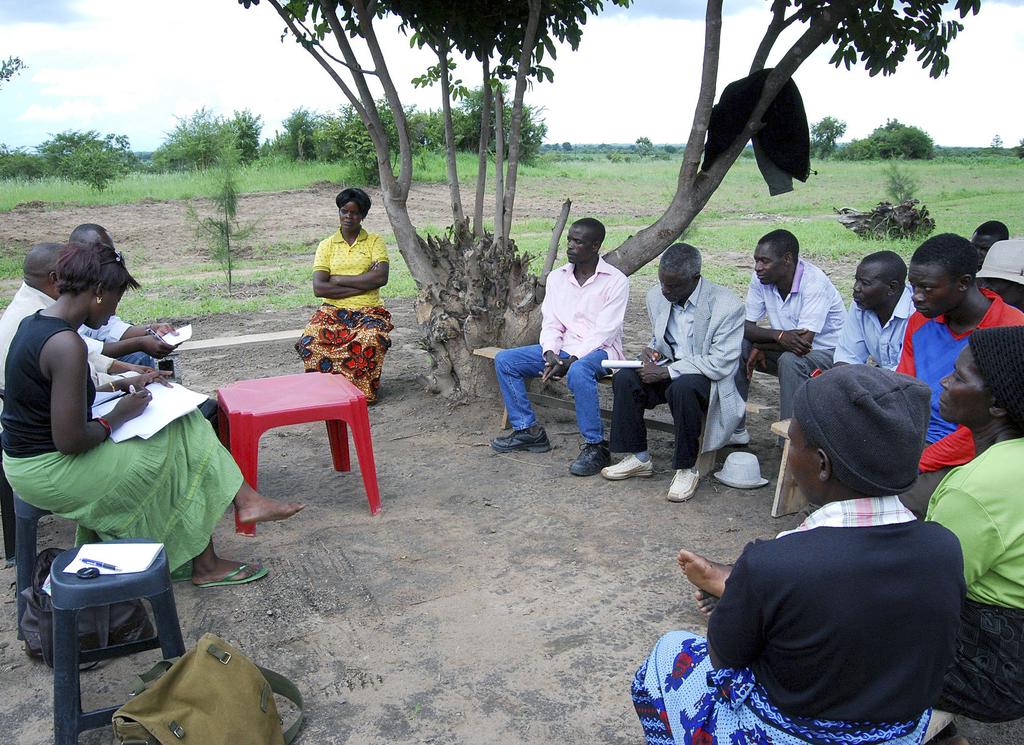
(960, 194)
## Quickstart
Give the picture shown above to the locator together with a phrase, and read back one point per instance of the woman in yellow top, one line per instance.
(348, 335)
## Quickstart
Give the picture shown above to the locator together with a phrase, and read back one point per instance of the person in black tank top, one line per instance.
(58, 457)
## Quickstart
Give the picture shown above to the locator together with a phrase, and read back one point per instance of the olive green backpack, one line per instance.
(212, 695)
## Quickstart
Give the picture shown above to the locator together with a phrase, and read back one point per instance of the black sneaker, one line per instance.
(592, 458)
(523, 439)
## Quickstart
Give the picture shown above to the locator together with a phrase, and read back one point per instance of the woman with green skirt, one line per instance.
(171, 488)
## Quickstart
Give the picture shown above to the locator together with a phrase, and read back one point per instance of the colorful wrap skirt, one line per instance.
(682, 699)
(172, 488)
(986, 680)
(348, 341)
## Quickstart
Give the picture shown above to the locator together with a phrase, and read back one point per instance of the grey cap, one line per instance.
(1004, 260)
(870, 421)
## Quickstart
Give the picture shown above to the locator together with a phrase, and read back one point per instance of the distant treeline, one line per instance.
(197, 141)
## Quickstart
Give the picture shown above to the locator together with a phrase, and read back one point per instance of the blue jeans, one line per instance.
(513, 366)
(139, 358)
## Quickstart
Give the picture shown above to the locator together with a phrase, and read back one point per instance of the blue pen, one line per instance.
(100, 564)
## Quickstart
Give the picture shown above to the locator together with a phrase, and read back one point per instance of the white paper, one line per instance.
(178, 336)
(621, 364)
(126, 557)
(166, 405)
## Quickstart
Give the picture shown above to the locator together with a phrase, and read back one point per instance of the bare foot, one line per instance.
(705, 602)
(703, 574)
(216, 569)
(253, 507)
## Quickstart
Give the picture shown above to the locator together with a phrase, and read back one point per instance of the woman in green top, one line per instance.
(981, 502)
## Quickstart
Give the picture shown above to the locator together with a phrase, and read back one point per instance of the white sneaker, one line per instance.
(628, 467)
(741, 437)
(684, 485)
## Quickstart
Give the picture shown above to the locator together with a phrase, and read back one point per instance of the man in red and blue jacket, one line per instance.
(950, 307)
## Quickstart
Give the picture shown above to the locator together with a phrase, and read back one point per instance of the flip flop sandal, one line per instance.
(182, 573)
(231, 578)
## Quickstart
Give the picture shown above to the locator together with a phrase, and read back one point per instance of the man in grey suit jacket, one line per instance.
(690, 364)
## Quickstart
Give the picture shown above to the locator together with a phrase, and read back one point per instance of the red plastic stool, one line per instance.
(249, 408)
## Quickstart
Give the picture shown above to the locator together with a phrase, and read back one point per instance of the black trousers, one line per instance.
(687, 398)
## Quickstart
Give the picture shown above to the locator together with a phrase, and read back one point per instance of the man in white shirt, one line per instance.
(805, 314)
(39, 291)
(877, 319)
(136, 345)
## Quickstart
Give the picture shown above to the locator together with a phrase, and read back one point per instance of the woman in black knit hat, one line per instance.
(840, 630)
(981, 502)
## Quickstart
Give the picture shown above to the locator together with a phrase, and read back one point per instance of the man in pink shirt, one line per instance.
(583, 311)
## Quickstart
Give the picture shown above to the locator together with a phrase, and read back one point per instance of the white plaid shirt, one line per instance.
(866, 512)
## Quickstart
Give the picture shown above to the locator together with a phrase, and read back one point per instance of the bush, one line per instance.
(85, 156)
(20, 164)
(902, 187)
(824, 135)
(247, 127)
(892, 140)
(194, 143)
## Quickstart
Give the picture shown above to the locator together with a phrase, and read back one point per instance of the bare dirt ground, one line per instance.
(496, 598)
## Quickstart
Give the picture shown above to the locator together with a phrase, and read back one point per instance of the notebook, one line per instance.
(115, 558)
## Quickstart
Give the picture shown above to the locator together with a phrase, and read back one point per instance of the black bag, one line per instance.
(98, 627)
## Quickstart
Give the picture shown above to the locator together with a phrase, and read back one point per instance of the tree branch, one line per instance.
(458, 217)
(499, 163)
(481, 167)
(311, 39)
(706, 97)
(368, 111)
(290, 22)
(390, 93)
(691, 196)
(515, 131)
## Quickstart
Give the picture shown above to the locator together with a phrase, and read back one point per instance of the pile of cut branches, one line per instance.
(888, 221)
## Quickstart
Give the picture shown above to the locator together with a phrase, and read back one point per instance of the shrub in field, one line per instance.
(221, 231)
(824, 134)
(20, 164)
(297, 139)
(902, 187)
(88, 157)
(247, 127)
(194, 143)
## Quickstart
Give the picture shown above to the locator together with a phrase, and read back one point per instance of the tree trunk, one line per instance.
(499, 162)
(484, 296)
(449, 139)
(482, 152)
(516, 128)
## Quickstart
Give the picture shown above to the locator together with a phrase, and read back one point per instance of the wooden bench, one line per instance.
(705, 461)
(940, 719)
(788, 497)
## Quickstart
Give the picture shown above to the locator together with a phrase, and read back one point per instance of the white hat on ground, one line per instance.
(741, 470)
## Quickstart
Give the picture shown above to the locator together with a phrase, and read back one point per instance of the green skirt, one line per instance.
(171, 488)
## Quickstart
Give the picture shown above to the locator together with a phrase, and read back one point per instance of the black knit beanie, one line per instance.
(999, 355)
(870, 421)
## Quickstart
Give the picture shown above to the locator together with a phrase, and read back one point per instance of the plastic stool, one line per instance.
(249, 408)
(70, 594)
(27, 530)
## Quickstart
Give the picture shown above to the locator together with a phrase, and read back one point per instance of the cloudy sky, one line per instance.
(131, 66)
